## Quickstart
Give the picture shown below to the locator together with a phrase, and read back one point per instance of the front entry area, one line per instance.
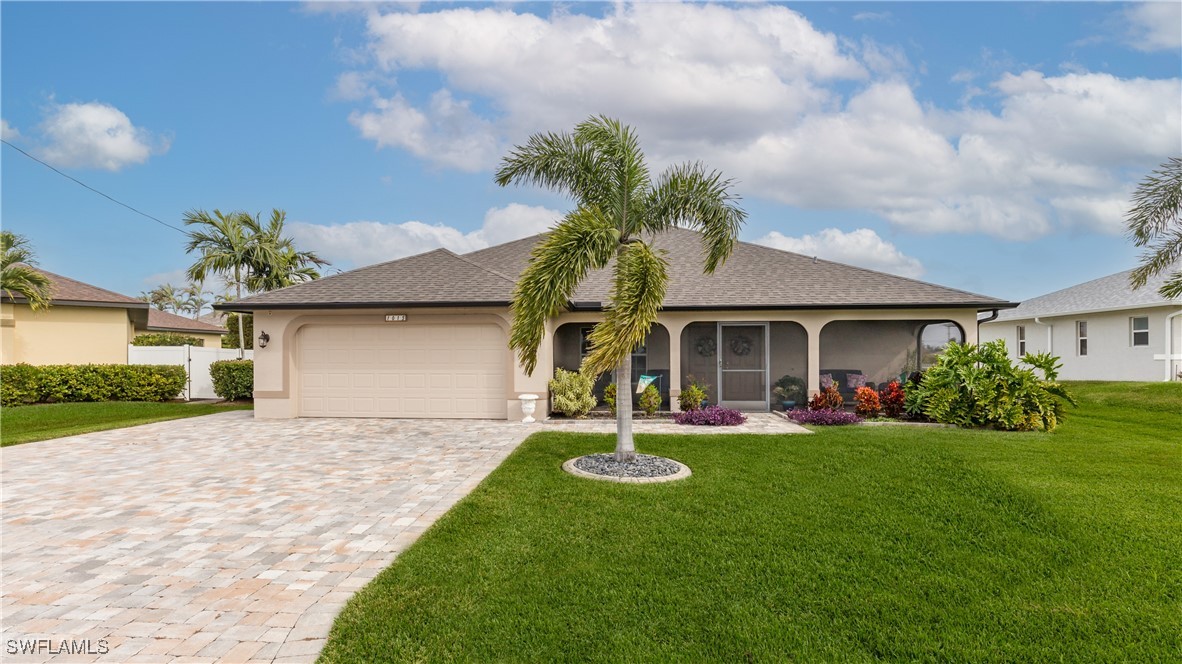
(742, 365)
(402, 370)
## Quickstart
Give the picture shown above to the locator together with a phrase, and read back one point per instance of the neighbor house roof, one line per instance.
(69, 292)
(1104, 294)
(162, 321)
(754, 277)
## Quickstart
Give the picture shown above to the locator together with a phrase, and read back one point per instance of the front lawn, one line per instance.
(853, 544)
(25, 424)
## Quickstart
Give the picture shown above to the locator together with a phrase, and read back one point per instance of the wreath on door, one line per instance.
(741, 345)
(706, 346)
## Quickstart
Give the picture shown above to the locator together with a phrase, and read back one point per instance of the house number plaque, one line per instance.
(395, 318)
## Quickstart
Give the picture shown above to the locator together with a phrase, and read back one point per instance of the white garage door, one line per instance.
(450, 371)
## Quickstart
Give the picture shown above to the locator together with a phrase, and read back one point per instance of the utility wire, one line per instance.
(76, 180)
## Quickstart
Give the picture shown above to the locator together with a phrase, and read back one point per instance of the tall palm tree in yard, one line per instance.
(288, 266)
(1155, 220)
(17, 275)
(619, 208)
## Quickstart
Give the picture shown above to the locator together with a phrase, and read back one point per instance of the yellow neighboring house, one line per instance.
(85, 324)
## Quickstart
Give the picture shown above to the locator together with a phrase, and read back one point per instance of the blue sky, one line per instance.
(985, 146)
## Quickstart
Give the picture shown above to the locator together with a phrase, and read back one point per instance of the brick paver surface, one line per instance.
(220, 538)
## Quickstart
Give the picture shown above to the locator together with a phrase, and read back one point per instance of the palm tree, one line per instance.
(288, 267)
(228, 246)
(165, 297)
(194, 299)
(17, 274)
(618, 210)
(1155, 220)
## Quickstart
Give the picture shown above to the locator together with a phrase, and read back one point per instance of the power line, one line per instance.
(76, 180)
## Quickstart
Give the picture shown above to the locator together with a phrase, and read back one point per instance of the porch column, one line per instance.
(813, 330)
(674, 363)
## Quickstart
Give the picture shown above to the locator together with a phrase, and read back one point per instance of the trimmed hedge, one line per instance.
(233, 379)
(166, 339)
(54, 383)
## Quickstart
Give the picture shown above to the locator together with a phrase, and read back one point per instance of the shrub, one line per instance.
(650, 400)
(867, 400)
(570, 393)
(827, 399)
(233, 379)
(981, 386)
(609, 397)
(231, 340)
(823, 417)
(26, 384)
(691, 398)
(712, 416)
(166, 339)
(892, 397)
(790, 388)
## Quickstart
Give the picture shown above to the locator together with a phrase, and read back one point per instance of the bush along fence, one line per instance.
(233, 379)
(28, 384)
(166, 339)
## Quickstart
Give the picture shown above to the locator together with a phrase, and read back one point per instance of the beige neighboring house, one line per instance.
(427, 335)
(84, 324)
(160, 322)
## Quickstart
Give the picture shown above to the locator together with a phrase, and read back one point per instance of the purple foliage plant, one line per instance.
(824, 417)
(712, 416)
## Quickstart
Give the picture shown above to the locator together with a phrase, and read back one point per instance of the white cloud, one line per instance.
(862, 247)
(762, 95)
(872, 16)
(8, 132)
(1154, 26)
(359, 243)
(178, 278)
(95, 135)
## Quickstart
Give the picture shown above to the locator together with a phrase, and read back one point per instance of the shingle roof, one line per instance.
(67, 291)
(166, 322)
(1103, 294)
(755, 277)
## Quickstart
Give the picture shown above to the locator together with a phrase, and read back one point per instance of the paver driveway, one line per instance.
(221, 537)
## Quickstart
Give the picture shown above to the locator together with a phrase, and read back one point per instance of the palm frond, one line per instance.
(641, 277)
(623, 163)
(583, 241)
(18, 277)
(1155, 221)
(687, 195)
(558, 162)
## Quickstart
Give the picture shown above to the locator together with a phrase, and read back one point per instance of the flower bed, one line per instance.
(823, 417)
(712, 416)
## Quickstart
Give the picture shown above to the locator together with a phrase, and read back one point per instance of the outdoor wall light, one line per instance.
(264, 338)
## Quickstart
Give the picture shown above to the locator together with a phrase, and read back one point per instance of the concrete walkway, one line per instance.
(220, 538)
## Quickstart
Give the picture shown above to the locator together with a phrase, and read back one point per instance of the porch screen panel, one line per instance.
(744, 363)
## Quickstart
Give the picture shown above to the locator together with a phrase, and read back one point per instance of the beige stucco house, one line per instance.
(426, 335)
(84, 324)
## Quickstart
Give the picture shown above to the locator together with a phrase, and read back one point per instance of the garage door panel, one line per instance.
(455, 371)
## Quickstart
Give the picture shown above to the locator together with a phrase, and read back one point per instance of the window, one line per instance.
(1139, 325)
(1021, 341)
(1081, 335)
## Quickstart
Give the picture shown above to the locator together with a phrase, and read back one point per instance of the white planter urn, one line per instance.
(529, 403)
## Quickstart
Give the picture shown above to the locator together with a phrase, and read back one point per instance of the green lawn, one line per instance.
(853, 544)
(26, 424)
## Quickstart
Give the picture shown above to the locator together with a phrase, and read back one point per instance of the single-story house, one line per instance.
(160, 322)
(1101, 330)
(426, 335)
(84, 324)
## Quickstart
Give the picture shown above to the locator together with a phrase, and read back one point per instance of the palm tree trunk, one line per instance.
(241, 323)
(625, 448)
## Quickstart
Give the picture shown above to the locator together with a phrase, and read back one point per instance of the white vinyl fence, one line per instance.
(195, 359)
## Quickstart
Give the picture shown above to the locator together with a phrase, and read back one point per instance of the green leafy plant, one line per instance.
(570, 393)
(650, 400)
(166, 339)
(56, 383)
(827, 399)
(233, 379)
(972, 386)
(609, 397)
(691, 398)
(790, 388)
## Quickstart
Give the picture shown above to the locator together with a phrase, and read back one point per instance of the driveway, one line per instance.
(220, 537)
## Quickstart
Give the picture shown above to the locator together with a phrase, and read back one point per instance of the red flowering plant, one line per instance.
(892, 399)
(827, 399)
(867, 400)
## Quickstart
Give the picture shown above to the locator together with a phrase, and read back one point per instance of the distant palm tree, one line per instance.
(1155, 220)
(227, 246)
(17, 275)
(165, 297)
(194, 299)
(619, 208)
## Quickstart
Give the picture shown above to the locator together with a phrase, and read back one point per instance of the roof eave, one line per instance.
(248, 307)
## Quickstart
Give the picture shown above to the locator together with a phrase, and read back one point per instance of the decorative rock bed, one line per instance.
(645, 469)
